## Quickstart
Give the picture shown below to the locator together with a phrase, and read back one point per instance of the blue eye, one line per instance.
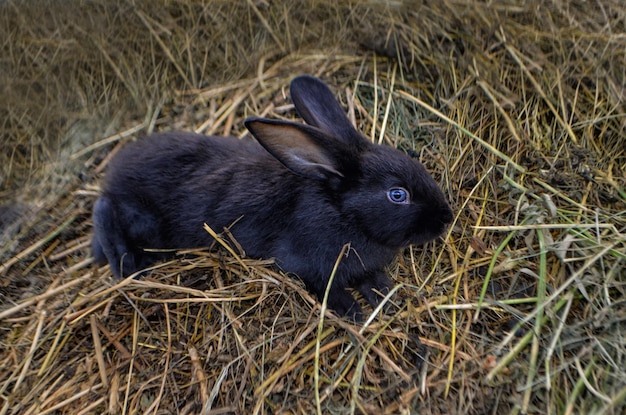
(398, 195)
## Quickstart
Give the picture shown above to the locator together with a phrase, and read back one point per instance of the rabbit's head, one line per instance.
(388, 195)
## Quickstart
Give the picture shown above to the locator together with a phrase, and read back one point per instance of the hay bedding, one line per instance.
(517, 108)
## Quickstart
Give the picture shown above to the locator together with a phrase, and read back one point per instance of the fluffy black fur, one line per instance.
(298, 194)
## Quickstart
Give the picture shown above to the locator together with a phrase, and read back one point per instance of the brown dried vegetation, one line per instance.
(518, 108)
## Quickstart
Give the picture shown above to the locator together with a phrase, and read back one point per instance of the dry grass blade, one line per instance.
(517, 108)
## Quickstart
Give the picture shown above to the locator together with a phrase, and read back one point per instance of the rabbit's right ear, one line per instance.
(317, 105)
(305, 150)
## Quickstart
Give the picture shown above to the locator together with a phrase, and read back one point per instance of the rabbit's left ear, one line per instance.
(303, 149)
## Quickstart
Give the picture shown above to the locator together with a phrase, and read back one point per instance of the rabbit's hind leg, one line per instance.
(109, 242)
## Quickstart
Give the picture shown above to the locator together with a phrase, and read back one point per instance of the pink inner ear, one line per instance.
(295, 147)
(316, 161)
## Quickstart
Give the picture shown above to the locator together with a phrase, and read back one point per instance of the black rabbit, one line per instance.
(297, 194)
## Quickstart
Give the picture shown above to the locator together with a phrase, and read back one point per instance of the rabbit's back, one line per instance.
(161, 163)
(184, 180)
(161, 190)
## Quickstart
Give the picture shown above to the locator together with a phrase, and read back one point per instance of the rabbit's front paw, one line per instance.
(344, 304)
(374, 287)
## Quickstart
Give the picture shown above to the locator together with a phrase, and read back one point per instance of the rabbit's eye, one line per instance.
(398, 195)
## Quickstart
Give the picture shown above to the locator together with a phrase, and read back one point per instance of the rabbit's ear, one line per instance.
(301, 148)
(317, 105)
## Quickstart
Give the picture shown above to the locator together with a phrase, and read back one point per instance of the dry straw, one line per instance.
(519, 110)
